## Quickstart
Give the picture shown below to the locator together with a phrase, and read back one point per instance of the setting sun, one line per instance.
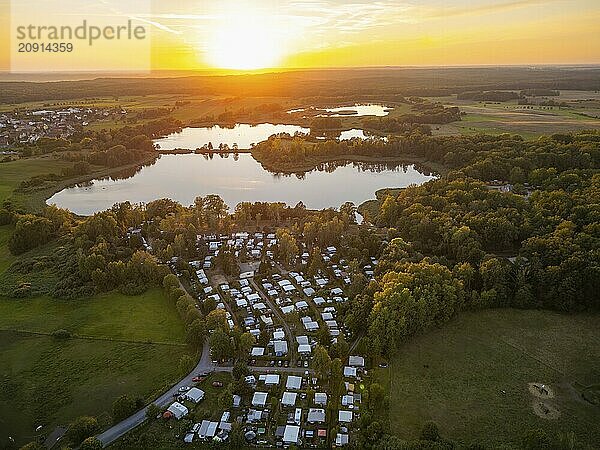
(244, 42)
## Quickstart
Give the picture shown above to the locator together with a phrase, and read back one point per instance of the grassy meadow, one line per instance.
(148, 317)
(5, 256)
(47, 381)
(456, 376)
(12, 173)
(582, 111)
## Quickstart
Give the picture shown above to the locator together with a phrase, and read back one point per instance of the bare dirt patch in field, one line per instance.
(545, 410)
(540, 390)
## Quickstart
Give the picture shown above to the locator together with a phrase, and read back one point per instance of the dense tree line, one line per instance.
(483, 157)
(489, 96)
(540, 93)
(325, 123)
(553, 236)
(374, 84)
(432, 113)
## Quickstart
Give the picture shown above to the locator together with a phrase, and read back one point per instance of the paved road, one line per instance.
(204, 365)
(118, 430)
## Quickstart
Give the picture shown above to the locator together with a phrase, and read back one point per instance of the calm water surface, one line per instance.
(241, 134)
(184, 177)
(360, 110)
(357, 110)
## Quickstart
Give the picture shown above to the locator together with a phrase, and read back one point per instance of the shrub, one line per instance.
(62, 334)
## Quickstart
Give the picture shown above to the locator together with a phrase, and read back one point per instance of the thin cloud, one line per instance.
(440, 13)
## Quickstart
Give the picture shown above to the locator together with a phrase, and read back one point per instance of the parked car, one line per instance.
(217, 384)
(184, 388)
(197, 379)
(305, 364)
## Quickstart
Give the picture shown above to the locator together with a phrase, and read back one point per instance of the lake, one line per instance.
(241, 179)
(241, 134)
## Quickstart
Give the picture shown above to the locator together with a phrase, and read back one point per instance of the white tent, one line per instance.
(280, 348)
(289, 399)
(304, 349)
(272, 379)
(350, 371)
(290, 435)
(194, 395)
(293, 382)
(356, 361)
(345, 416)
(178, 410)
(259, 399)
(302, 339)
(341, 440)
(348, 400)
(327, 316)
(320, 398)
(316, 415)
(287, 309)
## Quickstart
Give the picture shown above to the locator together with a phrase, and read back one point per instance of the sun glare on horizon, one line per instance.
(244, 41)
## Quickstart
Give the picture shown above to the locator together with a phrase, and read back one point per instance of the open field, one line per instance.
(148, 317)
(12, 173)
(47, 381)
(530, 121)
(456, 376)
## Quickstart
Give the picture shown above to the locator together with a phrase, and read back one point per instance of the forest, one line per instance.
(355, 85)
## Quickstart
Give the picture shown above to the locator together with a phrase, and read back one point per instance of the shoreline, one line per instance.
(313, 163)
(35, 200)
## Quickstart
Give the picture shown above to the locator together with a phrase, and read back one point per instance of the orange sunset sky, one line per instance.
(259, 34)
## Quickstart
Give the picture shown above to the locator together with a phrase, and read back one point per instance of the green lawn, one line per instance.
(46, 381)
(456, 375)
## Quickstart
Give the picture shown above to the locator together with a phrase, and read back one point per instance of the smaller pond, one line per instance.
(359, 110)
(357, 133)
(242, 134)
(352, 110)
